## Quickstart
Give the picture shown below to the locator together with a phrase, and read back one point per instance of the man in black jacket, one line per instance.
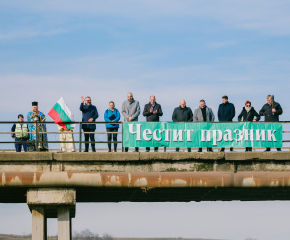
(226, 113)
(152, 112)
(182, 114)
(271, 110)
(89, 114)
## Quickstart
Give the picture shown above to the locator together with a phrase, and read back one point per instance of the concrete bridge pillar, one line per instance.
(51, 203)
(39, 226)
(64, 223)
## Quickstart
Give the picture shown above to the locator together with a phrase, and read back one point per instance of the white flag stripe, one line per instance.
(65, 109)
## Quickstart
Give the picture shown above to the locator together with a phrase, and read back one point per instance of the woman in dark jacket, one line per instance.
(247, 115)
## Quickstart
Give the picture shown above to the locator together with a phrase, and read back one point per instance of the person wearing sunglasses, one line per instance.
(247, 115)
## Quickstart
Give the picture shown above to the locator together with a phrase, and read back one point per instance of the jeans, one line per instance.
(148, 148)
(89, 136)
(18, 145)
(114, 135)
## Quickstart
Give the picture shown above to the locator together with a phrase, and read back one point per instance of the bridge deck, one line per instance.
(149, 177)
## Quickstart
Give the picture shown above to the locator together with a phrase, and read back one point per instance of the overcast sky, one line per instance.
(172, 49)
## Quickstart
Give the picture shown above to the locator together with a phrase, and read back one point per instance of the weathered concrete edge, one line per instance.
(181, 156)
(98, 156)
(26, 156)
(257, 156)
(153, 156)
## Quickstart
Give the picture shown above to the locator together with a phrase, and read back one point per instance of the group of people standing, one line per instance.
(152, 111)
(22, 133)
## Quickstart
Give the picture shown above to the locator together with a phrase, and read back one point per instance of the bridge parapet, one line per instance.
(145, 162)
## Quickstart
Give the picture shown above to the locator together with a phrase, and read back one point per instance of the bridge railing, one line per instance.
(80, 133)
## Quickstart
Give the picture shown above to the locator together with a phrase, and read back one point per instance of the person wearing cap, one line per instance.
(36, 116)
(20, 134)
(226, 113)
(271, 111)
(247, 115)
(203, 114)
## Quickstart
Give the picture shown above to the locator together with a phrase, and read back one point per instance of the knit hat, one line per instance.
(248, 102)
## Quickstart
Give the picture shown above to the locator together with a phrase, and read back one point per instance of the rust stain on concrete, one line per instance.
(146, 180)
(25, 178)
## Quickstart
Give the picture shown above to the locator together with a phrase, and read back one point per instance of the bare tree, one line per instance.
(86, 235)
(107, 236)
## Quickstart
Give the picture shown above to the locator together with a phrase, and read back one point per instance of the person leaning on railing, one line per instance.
(20, 134)
(112, 115)
(89, 114)
(271, 111)
(203, 114)
(226, 113)
(131, 111)
(182, 114)
(247, 115)
(152, 112)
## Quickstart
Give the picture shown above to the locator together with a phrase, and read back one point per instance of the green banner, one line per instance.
(202, 134)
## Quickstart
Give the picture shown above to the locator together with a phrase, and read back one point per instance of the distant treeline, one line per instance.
(88, 235)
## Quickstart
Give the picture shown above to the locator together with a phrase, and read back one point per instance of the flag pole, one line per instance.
(44, 118)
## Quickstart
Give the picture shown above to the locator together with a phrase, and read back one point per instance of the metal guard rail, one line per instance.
(80, 132)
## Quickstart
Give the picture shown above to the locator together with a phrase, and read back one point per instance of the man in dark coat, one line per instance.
(247, 115)
(152, 112)
(182, 114)
(271, 110)
(226, 113)
(90, 114)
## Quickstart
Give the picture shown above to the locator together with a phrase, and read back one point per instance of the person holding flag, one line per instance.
(62, 116)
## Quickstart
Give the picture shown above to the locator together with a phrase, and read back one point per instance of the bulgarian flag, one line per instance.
(62, 115)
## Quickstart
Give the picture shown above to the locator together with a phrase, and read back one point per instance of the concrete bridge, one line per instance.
(52, 183)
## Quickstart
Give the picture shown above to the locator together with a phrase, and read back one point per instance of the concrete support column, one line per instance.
(64, 223)
(39, 223)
